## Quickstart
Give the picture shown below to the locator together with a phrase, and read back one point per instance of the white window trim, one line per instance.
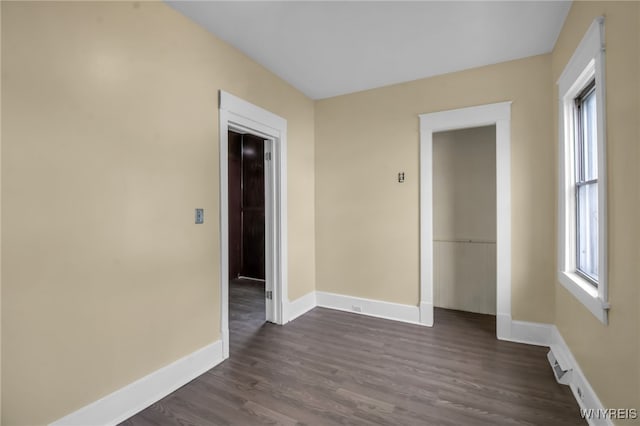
(586, 63)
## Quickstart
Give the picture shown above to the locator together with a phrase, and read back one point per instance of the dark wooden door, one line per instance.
(246, 206)
(253, 207)
(235, 205)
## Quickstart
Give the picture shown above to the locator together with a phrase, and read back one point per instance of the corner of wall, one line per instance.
(638, 199)
(583, 393)
(315, 199)
(300, 306)
(613, 350)
(0, 219)
(125, 402)
(315, 195)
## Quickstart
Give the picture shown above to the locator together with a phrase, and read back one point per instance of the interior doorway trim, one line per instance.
(498, 114)
(242, 116)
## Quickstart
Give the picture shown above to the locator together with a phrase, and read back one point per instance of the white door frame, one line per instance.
(237, 114)
(498, 114)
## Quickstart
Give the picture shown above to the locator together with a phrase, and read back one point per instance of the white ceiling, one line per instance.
(331, 48)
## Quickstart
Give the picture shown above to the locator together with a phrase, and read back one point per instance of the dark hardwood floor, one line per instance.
(336, 368)
(246, 307)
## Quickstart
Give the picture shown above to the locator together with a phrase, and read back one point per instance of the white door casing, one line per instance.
(244, 117)
(498, 114)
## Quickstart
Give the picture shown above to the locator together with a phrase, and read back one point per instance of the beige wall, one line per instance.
(110, 140)
(464, 184)
(609, 355)
(0, 216)
(464, 219)
(367, 223)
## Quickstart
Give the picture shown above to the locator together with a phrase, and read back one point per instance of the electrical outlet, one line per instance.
(355, 308)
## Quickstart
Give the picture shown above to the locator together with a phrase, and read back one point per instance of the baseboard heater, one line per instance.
(560, 365)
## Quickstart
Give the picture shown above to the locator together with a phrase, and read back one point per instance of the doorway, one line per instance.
(247, 307)
(246, 207)
(498, 114)
(464, 220)
(243, 118)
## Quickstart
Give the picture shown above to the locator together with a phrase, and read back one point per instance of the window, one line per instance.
(586, 158)
(582, 194)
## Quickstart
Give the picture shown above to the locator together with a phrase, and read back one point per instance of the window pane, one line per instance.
(589, 137)
(587, 229)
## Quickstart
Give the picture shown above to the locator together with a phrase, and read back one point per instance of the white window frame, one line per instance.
(586, 64)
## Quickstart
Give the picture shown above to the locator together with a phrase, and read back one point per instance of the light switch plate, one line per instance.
(199, 216)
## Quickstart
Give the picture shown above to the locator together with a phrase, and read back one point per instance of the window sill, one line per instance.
(586, 293)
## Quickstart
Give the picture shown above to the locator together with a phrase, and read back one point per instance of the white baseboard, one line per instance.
(224, 334)
(135, 397)
(580, 386)
(531, 333)
(548, 335)
(426, 314)
(300, 306)
(374, 308)
(503, 326)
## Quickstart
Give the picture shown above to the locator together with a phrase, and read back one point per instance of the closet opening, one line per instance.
(464, 225)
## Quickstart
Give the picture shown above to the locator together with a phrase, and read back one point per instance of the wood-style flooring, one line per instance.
(336, 368)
